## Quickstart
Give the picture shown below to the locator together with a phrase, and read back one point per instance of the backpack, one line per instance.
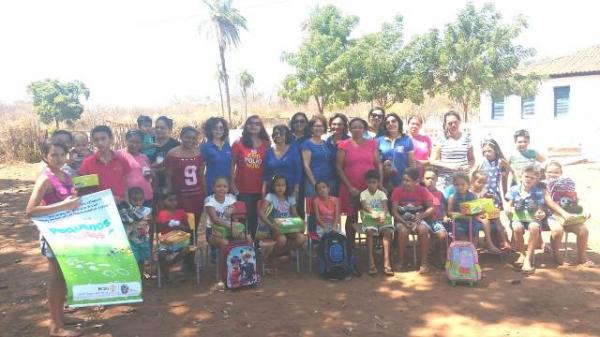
(334, 261)
(240, 268)
(462, 261)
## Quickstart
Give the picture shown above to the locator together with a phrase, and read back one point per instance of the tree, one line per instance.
(57, 101)
(478, 54)
(225, 23)
(246, 81)
(219, 77)
(327, 37)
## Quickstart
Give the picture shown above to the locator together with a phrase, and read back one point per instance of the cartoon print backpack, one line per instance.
(462, 262)
(240, 266)
(334, 262)
(562, 191)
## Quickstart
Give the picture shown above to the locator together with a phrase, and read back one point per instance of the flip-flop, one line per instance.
(424, 270)
(388, 271)
(66, 333)
(372, 270)
(528, 271)
(588, 264)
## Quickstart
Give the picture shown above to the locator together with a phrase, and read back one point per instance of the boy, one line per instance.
(376, 221)
(145, 125)
(529, 206)
(436, 221)
(110, 166)
(524, 155)
(80, 151)
(136, 217)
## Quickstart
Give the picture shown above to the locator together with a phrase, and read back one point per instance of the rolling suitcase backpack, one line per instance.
(462, 261)
(334, 262)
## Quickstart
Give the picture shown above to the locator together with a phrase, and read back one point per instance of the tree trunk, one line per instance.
(221, 97)
(56, 122)
(245, 94)
(319, 105)
(226, 81)
(465, 106)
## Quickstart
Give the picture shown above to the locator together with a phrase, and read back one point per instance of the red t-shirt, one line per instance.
(438, 204)
(417, 197)
(250, 163)
(186, 181)
(163, 217)
(111, 175)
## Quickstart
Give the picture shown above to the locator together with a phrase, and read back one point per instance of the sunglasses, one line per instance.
(379, 116)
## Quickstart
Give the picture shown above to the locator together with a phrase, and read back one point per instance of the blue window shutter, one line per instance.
(527, 107)
(561, 101)
(498, 109)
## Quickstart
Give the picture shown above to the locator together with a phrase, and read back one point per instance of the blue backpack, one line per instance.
(334, 261)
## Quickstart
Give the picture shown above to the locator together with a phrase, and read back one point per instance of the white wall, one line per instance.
(580, 127)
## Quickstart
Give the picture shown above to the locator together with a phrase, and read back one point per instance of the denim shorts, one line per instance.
(435, 226)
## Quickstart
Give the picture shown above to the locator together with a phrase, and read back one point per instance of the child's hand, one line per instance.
(540, 214)
(71, 202)
(447, 219)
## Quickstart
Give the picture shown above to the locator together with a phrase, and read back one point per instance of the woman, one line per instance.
(140, 174)
(247, 165)
(317, 157)
(421, 143)
(395, 147)
(355, 156)
(164, 143)
(282, 159)
(216, 151)
(298, 125)
(338, 124)
(452, 152)
(376, 116)
(184, 167)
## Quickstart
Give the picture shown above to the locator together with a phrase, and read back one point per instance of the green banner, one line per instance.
(93, 252)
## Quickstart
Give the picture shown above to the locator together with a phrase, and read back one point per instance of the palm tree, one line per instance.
(225, 22)
(219, 77)
(246, 81)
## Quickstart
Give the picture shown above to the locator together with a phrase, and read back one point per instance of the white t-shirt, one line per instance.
(223, 209)
(281, 208)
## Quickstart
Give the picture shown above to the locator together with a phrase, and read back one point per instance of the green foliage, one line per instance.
(316, 76)
(246, 80)
(478, 54)
(57, 101)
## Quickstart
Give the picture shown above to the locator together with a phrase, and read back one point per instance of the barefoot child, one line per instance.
(529, 206)
(136, 221)
(54, 192)
(280, 204)
(174, 234)
(376, 220)
(218, 208)
(326, 209)
(554, 173)
(478, 184)
(411, 205)
(437, 220)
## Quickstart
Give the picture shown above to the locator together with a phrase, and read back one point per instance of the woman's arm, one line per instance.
(378, 167)
(306, 156)
(339, 166)
(34, 207)
(203, 177)
(411, 159)
(435, 159)
(232, 170)
(338, 216)
(471, 157)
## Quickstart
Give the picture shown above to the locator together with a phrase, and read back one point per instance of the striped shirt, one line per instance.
(453, 152)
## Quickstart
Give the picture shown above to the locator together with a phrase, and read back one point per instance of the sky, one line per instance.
(149, 53)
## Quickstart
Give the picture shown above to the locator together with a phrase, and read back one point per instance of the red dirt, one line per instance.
(553, 302)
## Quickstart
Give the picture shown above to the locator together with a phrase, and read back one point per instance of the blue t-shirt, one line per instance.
(289, 166)
(148, 139)
(530, 202)
(321, 159)
(397, 151)
(218, 162)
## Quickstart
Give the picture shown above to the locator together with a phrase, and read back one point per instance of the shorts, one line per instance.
(400, 225)
(141, 250)
(378, 230)
(545, 225)
(435, 226)
(462, 227)
(45, 248)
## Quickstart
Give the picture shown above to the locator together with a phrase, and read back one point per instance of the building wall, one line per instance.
(581, 127)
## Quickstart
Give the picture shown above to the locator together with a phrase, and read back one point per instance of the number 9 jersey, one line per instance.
(186, 181)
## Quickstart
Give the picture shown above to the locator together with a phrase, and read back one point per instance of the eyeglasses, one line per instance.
(391, 121)
(318, 126)
(299, 121)
(378, 116)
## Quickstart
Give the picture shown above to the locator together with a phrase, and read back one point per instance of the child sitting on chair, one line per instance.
(376, 220)
(411, 205)
(136, 221)
(326, 209)
(437, 220)
(173, 234)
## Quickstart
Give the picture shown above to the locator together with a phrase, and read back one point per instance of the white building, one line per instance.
(565, 112)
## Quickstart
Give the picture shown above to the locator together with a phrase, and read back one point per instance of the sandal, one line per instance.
(528, 270)
(66, 333)
(424, 269)
(372, 270)
(588, 264)
(388, 271)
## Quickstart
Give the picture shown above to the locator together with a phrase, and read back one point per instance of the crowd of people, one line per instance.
(387, 179)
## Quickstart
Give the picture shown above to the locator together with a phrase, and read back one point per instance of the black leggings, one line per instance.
(250, 199)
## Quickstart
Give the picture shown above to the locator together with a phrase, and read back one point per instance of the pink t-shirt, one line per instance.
(327, 209)
(135, 177)
(417, 197)
(421, 147)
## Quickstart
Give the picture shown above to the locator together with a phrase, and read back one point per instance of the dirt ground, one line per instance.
(552, 302)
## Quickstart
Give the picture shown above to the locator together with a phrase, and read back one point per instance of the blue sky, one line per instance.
(150, 53)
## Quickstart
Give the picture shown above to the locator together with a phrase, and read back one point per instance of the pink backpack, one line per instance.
(462, 262)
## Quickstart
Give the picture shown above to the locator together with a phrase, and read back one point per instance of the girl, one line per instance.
(326, 210)
(411, 205)
(171, 220)
(462, 194)
(280, 204)
(54, 192)
(140, 174)
(478, 187)
(184, 168)
(218, 208)
(496, 169)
